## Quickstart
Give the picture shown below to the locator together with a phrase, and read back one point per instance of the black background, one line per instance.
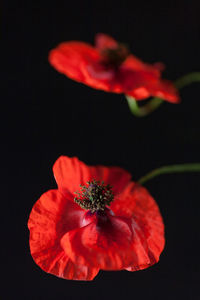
(44, 115)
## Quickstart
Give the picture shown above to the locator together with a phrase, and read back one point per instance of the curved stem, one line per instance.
(187, 79)
(194, 167)
(142, 111)
(154, 103)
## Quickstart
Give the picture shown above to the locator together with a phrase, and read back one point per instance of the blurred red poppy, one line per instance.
(110, 67)
(121, 227)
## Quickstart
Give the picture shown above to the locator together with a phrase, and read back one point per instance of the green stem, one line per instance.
(142, 111)
(194, 167)
(154, 103)
(187, 79)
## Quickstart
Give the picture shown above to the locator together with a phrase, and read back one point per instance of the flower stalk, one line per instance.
(182, 168)
(142, 111)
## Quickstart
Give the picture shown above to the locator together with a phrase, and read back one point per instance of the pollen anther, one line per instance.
(94, 196)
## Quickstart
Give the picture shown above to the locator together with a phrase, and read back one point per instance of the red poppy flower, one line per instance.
(110, 67)
(106, 228)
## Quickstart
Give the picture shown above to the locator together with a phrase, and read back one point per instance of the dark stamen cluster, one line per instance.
(95, 196)
(113, 58)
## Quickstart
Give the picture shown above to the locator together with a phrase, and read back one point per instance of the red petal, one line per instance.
(106, 246)
(135, 64)
(70, 58)
(159, 66)
(81, 62)
(148, 227)
(51, 217)
(124, 203)
(115, 176)
(130, 80)
(165, 90)
(140, 93)
(149, 85)
(71, 172)
(63, 267)
(98, 77)
(104, 41)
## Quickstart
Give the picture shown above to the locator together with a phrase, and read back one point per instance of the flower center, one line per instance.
(94, 196)
(113, 58)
